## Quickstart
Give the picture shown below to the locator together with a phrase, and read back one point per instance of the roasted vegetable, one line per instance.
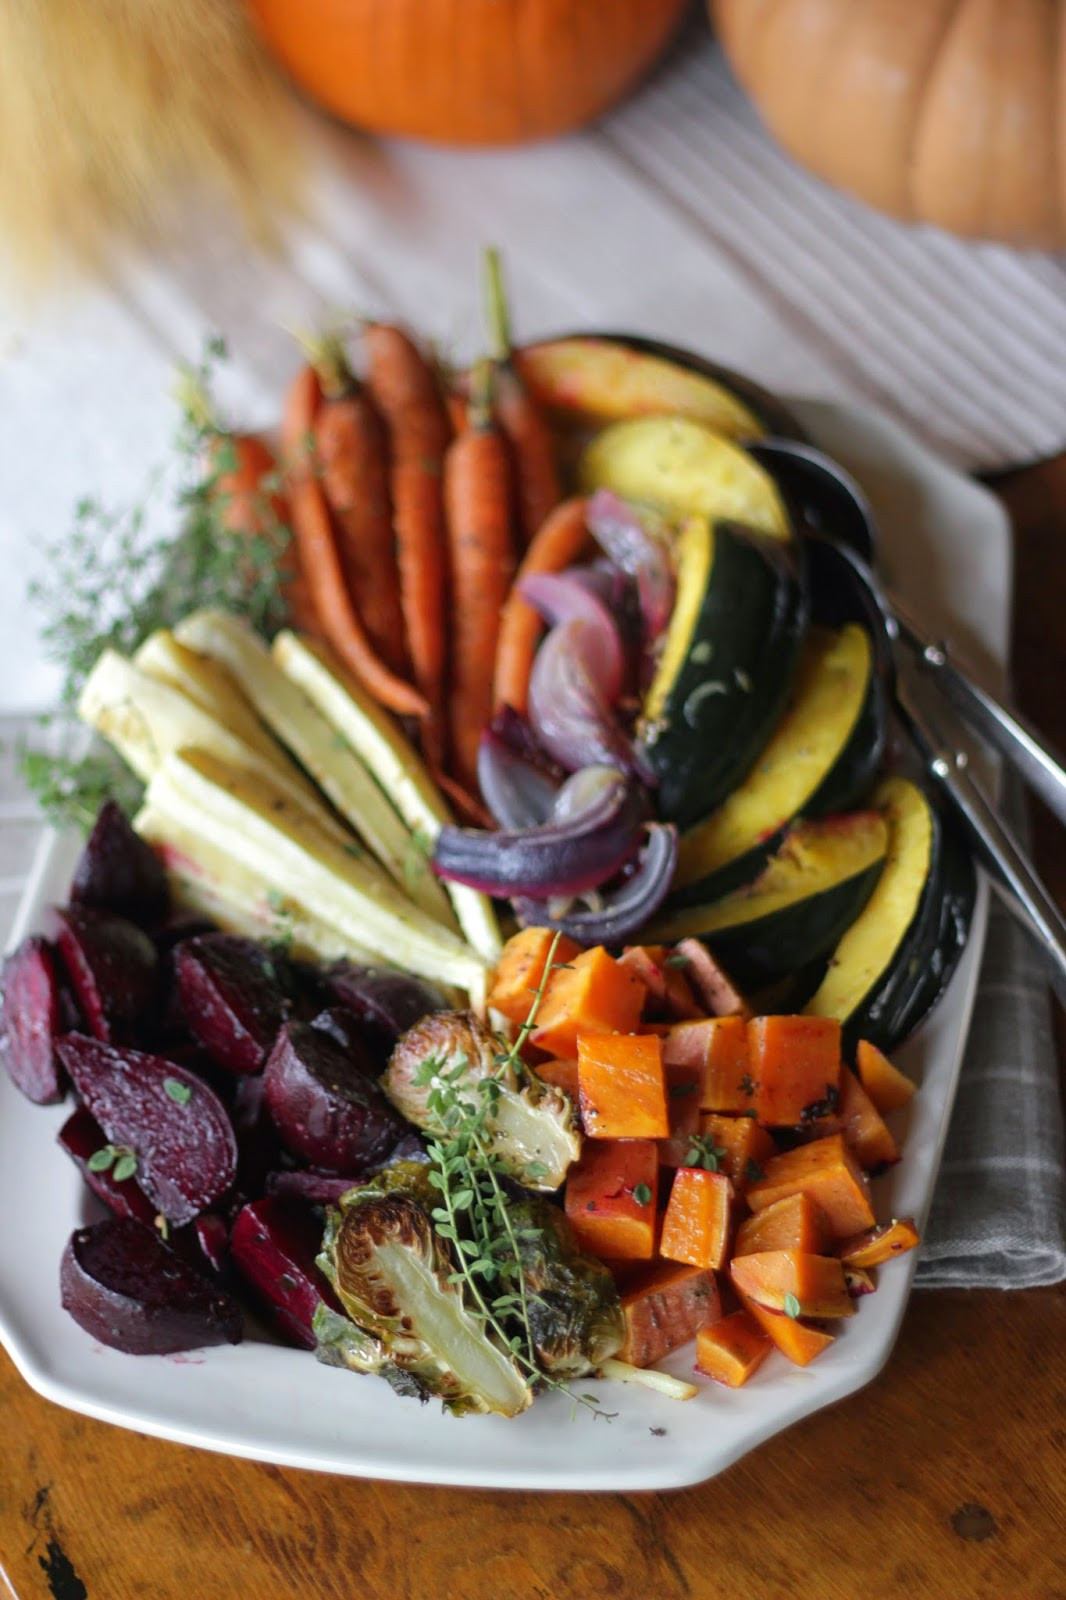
(575, 1315)
(531, 1128)
(112, 966)
(726, 666)
(31, 1019)
(231, 998)
(327, 1108)
(391, 1273)
(120, 873)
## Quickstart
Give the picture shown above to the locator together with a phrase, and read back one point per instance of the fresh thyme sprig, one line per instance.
(474, 1215)
(122, 573)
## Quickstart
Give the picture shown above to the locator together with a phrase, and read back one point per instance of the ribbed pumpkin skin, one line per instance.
(944, 111)
(467, 71)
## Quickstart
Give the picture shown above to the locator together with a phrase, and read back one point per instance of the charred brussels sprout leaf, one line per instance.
(531, 1130)
(575, 1315)
(391, 1274)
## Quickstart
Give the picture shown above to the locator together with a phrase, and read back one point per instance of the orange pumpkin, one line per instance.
(477, 72)
(943, 111)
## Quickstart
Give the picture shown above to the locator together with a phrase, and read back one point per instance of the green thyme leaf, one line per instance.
(101, 1159)
(792, 1306)
(179, 1092)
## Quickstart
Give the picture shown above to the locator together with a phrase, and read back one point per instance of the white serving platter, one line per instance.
(946, 549)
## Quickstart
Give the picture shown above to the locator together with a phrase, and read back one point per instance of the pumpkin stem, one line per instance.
(499, 316)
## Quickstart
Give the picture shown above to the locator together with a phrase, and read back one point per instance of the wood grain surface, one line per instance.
(945, 1478)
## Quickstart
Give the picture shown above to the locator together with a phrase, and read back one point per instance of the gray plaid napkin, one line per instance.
(999, 1214)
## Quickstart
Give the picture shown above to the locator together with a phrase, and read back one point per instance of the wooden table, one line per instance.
(947, 1477)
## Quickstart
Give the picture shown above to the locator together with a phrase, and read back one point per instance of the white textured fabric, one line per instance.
(676, 217)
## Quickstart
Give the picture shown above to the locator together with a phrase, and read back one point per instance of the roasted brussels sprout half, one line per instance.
(575, 1315)
(532, 1130)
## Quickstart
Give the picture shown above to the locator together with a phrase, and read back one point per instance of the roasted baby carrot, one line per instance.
(537, 486)
(320, 561)
(404, 389)
(477, 508)
(351, 453)
(244, 474)
(558, 542)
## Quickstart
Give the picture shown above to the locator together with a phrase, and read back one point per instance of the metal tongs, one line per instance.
(840, 523)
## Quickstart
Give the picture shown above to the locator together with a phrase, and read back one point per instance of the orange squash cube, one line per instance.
(520, 969)
(795, 1062)
(825, 1170)
(718, 1047)
(794, 1223)
(699, 1215)
(664, 1307)
(813, 1286)
(611, 1198)
(797, 1341)
(863, 1126)
(593, 994)
(731, 1350)
(561, 1074)
(887, 1086)
(880, 1243)
(745, 1147)
(622, 1086)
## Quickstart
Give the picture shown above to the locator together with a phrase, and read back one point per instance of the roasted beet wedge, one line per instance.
(274, 1244)
(127, 1289)
(386, 1002)
(314, 1188)
(327, 1111)
(345, 1029)
(112, 966)
(176, 1128)
(31, 1020)
(81, 1136)
(119, 872)
(232, 997)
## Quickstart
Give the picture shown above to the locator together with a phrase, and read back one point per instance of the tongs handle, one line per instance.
(999, 725)
(993, 841)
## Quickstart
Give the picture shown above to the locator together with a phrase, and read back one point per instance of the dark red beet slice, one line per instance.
(316, 1188)
(258, 1146)
(386, 1002)
(176, 1127)
(127, 1289)
(327, 1111)
(232, 998)
(274, 1244)
(31, 1021)
(81, 1136)
(346, 1031)
(112, 966)
(212, 1240)
(178, 927)
(117, 871)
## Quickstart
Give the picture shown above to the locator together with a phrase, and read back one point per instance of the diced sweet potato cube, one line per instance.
(622, 1086)
(668, 993)
(593, 994)
(797, 1341)
(879, 1243)
(826, 1171)
(611, 1198)
(790, 1280)
(863, 1126)
(731, 1350)
(887, 1086)
(744, 1147)
(718, 1047)
(664, 1307)
(794, 1223)
(563, 1074)
(795, 1062)
(858, 1280)
(712, 986)
(699, 1215)
(521, 968)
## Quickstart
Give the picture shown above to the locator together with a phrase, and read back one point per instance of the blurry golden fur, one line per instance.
(112, 111)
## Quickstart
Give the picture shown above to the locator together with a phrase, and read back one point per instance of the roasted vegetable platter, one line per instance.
(263, 1400)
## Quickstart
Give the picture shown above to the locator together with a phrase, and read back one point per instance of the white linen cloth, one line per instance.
(675, 217)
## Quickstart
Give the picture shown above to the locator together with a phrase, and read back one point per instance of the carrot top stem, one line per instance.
(482, 394)
(498, 312)
(325, 352)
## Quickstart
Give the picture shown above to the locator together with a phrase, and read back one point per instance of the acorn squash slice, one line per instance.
(895, 960)
(726, 666)
(820, 759)
(800, 905)
(684, 468)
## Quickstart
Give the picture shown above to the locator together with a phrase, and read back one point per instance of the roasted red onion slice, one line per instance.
(562, 598)
(560, 858)
(519, 794)
(624, 910)
(569, 711)
(637, 542)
